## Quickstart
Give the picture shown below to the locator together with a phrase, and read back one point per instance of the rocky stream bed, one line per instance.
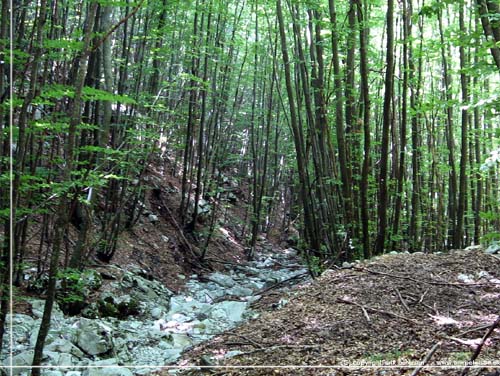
(162, 327)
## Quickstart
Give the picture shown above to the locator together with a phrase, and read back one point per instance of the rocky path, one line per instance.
(165, 324)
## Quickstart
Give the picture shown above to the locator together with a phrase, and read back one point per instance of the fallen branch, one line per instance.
(277, 347)
(365, 313)
(280, 283)
(480, 346)
(346, 301)
(185, 242)
(426, 359)
(402, 300)
(250, 341)
(420, 281)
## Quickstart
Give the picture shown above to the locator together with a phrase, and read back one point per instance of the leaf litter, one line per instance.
(402, 314)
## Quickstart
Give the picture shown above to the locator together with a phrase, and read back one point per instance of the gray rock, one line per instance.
(93, 337)
(37, 306)
(240, 291)
(52, 373)
(221, 279)
(229, 311)
(23, 359)
(232, 353)
(108, 371)
(153, 218)
(58, 359)
(180, 340)
(64, 346)
(156, 313)
(493, 248)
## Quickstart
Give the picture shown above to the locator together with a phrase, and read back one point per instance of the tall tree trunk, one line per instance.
(311, 236)
(387, 117)
(400, 173)
(464, 82)
(450, 138)
(365, 89)
(65, 200)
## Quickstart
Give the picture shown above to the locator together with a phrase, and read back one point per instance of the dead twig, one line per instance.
(186, 242)
(346, 301)
(250, 341)
(277, 347)
(482, 327)
(426, 359)
(480, 346)
(402, 300)
(365, 313)
(437, 283)
(280, 283)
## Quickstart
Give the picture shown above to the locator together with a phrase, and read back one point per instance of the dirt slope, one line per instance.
(388, 312)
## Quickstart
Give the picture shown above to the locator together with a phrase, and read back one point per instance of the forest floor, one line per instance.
(392, 312)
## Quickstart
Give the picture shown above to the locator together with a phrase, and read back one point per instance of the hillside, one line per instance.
(393, 311)
(306, 176)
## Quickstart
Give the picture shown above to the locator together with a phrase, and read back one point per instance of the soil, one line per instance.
(393, 311)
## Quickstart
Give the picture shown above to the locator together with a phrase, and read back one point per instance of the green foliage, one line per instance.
(75, 288)
(54, 92)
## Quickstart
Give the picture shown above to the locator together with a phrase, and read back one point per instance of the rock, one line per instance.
(153, 218)
(229, 311)
(23, 359)
(118, 306)
(180, 340)
(59, 359)
(465, 278)
(171, 355)
(187, 306)
(232, 353)
(484, 274)
(221, 279)
(51, 336)
(347, 265)
(207, 360)
(92, 337)
(470, 248)
(51, 373)
(73, 373)
(156, 313)
(108, 371)
(240, 291)
(493, 248)
(37, 307)
(165, 238)
(62, 345)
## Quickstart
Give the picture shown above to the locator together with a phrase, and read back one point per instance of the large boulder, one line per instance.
(93, 337)
(24, 359)
(121, 307)
(229, 311)
(62, 345)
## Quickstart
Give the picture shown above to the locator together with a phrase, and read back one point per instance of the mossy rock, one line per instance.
(125, 307)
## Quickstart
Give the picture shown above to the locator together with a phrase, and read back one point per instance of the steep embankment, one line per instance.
(391, 311)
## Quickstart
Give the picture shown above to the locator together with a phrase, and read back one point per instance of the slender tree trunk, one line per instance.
(464, 82)
(387, 117)
(64, 206)
(450, 138)
(310, 232)
(400, 174)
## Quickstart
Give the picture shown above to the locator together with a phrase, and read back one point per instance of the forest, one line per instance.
(271, 159)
